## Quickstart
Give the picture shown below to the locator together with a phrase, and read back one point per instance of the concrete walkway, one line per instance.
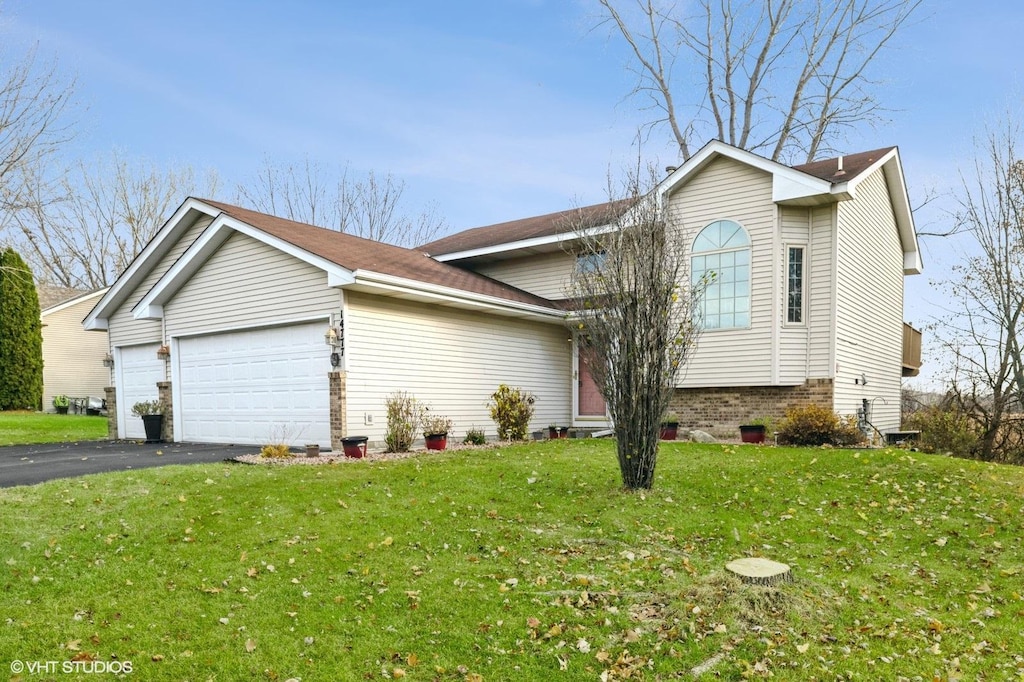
(31, 464)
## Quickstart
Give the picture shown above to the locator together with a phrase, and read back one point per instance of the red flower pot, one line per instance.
(669, 431)
(752, 433)
(436, 441)
(354, 446)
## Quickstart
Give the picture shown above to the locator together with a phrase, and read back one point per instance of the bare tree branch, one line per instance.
(812, 55)
(983, 338)
(85, 229)
(369, 207)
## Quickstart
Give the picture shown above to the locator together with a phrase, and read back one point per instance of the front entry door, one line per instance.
(590, 402)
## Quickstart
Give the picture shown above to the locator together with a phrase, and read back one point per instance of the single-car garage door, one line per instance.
(255, 387)
(138, 371)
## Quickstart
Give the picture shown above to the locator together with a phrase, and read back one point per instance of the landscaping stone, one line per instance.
(698, 436)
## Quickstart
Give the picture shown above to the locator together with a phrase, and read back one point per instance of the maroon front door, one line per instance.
(591, 402)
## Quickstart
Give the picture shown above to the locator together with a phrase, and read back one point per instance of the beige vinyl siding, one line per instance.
(451, 359)
(546, 275)
(821, 293)
(73, 357)
(247, 284)
(124, 329)
(793, 337)
(869, 317)
(726, 189)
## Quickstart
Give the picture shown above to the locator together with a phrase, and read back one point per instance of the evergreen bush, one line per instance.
(21, 336)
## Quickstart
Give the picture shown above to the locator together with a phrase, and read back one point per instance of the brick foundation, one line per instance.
(110, 394)
(165, 396)
(720, 411)
(339, 404)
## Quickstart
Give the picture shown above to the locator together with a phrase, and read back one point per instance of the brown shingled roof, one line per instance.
(356, 253)
(853, 165)
(528, 228)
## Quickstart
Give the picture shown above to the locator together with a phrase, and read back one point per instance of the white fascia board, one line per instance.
(151, 305)
(560, 238)
(137, 269)
(788, 184)
(443, 294)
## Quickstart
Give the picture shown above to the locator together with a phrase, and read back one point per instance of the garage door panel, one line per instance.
(255, 386)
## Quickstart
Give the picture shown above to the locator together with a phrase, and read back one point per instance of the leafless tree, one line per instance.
(84, 229)
(369, 207)
(983, 334)
(34, 103)
(783, 78)
(635, 316)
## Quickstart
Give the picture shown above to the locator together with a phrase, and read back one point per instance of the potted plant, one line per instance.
(152, 413)
(755, 431)
(669, 426)
(354, 446)
(61, 403)
(435, 431)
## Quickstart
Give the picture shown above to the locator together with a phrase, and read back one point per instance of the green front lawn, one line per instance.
(524, 563)
(21, 428)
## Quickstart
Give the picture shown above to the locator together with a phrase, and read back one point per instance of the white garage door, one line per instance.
(138, 371)
(255, 387)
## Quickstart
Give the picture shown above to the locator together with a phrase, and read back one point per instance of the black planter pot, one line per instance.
(154, 424)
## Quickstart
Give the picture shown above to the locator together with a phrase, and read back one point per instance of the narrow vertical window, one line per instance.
(795, 285)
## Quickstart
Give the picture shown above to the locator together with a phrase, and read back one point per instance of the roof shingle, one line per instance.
(356, 253)
(528, 228)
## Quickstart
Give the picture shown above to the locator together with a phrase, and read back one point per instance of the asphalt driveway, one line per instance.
(31, 464)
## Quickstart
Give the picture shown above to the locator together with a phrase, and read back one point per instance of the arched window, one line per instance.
(722, 252)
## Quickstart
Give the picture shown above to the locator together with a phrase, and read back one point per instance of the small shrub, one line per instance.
(404, 416)
(944, 429)
(276, 451)
(475, 436)
(436, 424)
(670, 418)
(512, 410)
(816, 425)
(145, 407)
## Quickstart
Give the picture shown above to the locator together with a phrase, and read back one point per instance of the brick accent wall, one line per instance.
(165, 395)
(110, 393)
(339, 421)
(720, 411)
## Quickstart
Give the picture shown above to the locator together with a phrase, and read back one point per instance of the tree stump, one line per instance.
(757, 571)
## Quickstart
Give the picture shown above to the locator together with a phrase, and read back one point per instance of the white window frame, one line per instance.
(749, 248)
(787, 248)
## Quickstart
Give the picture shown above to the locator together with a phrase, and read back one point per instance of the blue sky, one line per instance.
(492, 110)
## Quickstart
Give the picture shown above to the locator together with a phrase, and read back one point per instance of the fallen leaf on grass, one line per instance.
(250, 645)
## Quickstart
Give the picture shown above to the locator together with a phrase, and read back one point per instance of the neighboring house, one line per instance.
(73, 358)
(807, 301)
(269, 329)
